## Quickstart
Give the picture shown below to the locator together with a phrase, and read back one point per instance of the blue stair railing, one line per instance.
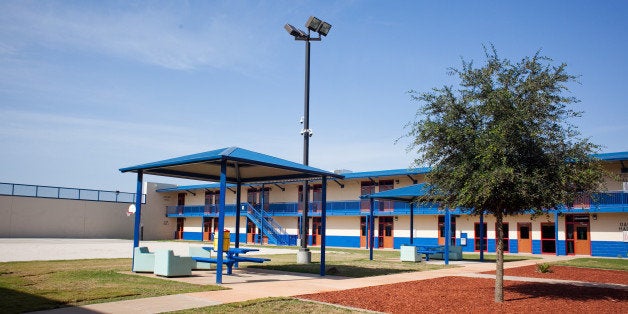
(276, 233)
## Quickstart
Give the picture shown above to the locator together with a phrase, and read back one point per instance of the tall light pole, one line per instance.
(322, 28)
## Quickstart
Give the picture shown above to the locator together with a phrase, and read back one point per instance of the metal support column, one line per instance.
(238, 205)
(556, 232)
(323, 224)
(371, 227)
(261, 213)
(138, 214)
(481, 237)
(411, 223)
(221, 220)
(447, 235)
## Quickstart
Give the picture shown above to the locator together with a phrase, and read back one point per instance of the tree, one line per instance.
(504, 142)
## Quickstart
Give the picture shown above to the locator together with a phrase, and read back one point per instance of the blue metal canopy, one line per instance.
(230, 165)
(386, 173)
(243, 166)
(405, 194)
(408, 194)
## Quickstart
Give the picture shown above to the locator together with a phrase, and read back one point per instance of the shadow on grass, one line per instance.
(535, 290)
(335, 269)
(491, 258)
(19, 302)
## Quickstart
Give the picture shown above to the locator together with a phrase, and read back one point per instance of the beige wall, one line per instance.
(614, 184)
(32, 217)
(35, 217)
(351, 191)
(153, 219)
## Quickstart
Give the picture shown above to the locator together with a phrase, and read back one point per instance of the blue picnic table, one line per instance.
(429, 250)
(232, 257)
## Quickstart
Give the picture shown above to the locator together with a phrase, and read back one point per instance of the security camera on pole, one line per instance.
(304, 255)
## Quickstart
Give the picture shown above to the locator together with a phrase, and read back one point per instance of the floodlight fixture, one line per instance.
(324, 28)
(313, 23)
(316, 25)
(293, 31)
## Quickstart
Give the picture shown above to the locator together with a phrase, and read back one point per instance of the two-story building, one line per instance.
(271, 213)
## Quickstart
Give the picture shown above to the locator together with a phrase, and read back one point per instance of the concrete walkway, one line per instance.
(249, 284)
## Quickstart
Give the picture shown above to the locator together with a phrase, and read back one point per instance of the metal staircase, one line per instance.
(268, 226)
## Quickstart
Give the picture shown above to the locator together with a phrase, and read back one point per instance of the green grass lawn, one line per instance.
(272, 305)
(347, 262)
(40, 285)
(602, 263)
(490, 258)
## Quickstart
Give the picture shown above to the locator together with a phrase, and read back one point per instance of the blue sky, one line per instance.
(88, 87)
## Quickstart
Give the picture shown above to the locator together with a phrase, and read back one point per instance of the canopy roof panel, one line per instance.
(612, 156)
(245, 165)
(386, 173)
(404, 194)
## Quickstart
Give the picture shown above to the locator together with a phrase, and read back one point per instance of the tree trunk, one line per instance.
(499, 272)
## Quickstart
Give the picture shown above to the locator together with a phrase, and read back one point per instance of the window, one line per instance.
(477, 234)
(366, 188)
(506, 239)
(524, 232)
(548, 238)
(441, 229)
(317, 197)
(363, 227)
(385, 185)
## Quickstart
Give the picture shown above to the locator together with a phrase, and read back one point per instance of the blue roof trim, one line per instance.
(206, 156)
(233, 154)
(195, 187)
(612, 156)
(386, 173)
(404, 194)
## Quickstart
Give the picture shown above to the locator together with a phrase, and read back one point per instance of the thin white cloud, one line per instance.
(159, 35)
(32, 127)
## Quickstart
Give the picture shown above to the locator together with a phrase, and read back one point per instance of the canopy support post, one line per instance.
(221, 220)
(556, 232)
(323, 224)
(138, 213)
(371, 227)
(411, 223)
(447, 234)
(482, 237)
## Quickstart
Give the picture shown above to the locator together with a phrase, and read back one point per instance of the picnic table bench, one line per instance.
(232, 258)
(429, 250)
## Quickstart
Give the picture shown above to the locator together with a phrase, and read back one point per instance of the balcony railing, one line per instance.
(616, 201)
(340, 208)
(27, 190)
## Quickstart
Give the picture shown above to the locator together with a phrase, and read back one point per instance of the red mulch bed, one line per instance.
(570, 273)
(474, 295)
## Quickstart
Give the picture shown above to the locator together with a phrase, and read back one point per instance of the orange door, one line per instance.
(207, 227)
(577, 237)
(386, 232)
(363, 232)
(524, 237)
(251, 231)
(582, 244)
(316, 231)
(179, 233)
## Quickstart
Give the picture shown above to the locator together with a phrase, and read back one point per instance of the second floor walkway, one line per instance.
(598, 203)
